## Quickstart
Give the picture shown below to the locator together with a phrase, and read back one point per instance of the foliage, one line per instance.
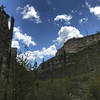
(21, 82)
(94, 89)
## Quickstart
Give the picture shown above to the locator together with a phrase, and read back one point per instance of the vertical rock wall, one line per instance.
(5, 52)
(76, 56)
(5, 38)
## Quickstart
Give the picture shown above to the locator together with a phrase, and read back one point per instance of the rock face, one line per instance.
(5, 38)
(75, 57)
(13, 52)
(77, 44)
(5, 51)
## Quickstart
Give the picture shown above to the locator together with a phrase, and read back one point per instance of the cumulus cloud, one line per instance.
(51, 51)
(66, 33)
(95, 11)
(19, 36)
(83, 20)
(64, 17)
(15, 44)
(29, 12)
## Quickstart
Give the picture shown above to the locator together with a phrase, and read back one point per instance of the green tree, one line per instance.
(35, 65)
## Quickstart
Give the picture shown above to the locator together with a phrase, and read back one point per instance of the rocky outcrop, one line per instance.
(5, 51)
(5, 37)
(77, 44)
(76, 54)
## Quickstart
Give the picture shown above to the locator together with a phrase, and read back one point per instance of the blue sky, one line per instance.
(44, 25)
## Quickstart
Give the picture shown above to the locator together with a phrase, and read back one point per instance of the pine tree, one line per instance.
(35, 65)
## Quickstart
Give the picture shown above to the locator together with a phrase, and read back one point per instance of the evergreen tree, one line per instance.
(35, 65)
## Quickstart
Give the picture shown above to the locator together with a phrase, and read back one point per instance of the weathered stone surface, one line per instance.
(5, 51)
(74, 54)
(5, 33)
(77, 44)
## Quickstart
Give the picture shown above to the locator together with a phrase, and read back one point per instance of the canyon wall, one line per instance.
(75, 57)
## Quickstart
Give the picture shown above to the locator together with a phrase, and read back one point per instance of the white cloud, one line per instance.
(95, 11)
(66, 33)
(18, 35)
(15, 44)
(64, 17)
(87, 4)
(9, 24)
(51, 51)
(83, 20)
(29, 12)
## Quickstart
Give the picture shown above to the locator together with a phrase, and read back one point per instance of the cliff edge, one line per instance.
(78, 55)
